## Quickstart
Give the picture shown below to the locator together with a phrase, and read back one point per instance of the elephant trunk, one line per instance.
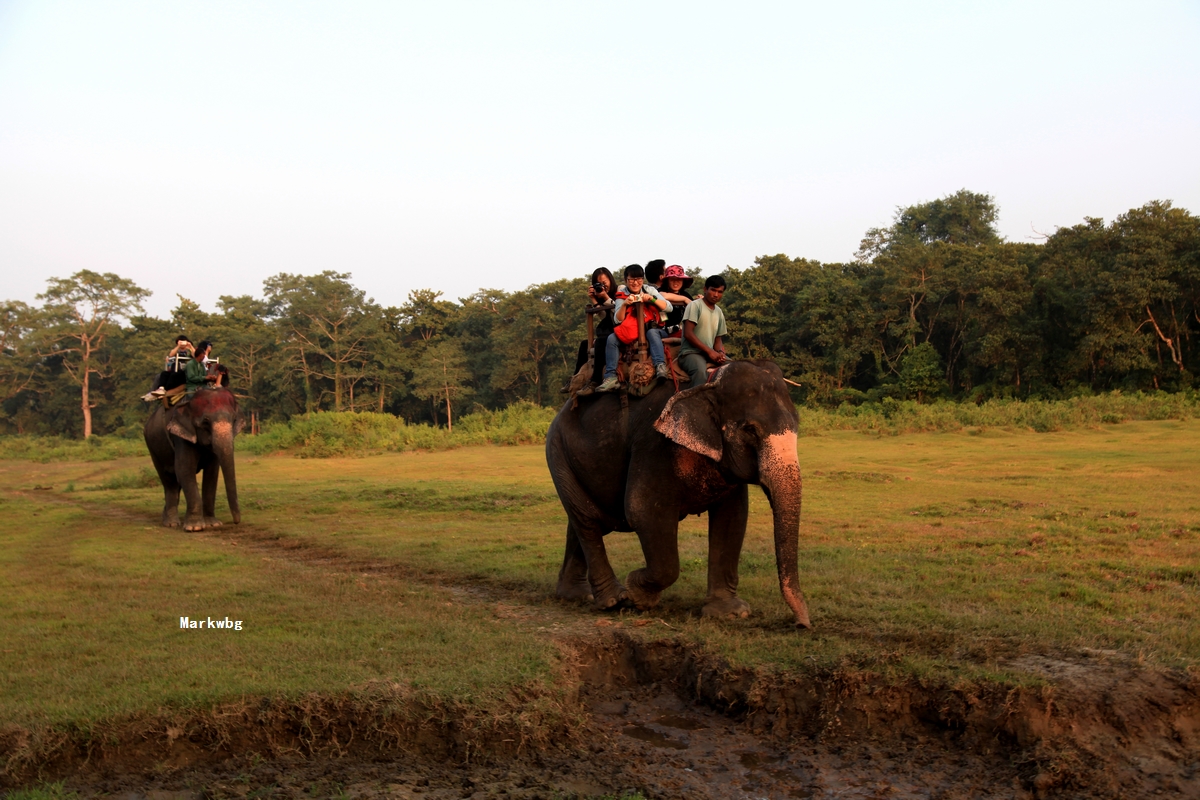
(779, 472)
(223, 448)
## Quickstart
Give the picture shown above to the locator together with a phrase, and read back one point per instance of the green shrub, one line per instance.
(327, 434)
(141, 479)
(56, 448)
(893, 416)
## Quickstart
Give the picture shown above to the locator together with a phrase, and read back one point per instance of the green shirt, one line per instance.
(710, 323)
(194, 373)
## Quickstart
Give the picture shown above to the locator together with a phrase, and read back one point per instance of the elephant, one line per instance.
(195, 435)
(622, 464)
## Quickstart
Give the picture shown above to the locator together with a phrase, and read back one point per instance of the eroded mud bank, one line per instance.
(655, 716)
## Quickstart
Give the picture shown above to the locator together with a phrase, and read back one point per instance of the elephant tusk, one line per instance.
(793, 383)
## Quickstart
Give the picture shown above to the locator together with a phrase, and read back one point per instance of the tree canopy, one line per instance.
(937, 304)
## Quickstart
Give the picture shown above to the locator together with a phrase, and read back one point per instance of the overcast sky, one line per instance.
(200, 147)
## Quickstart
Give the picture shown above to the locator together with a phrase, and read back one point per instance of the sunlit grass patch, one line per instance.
(90, 617)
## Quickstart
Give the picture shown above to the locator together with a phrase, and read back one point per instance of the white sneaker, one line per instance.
(663, 371)
(149, 397)
(610, 384)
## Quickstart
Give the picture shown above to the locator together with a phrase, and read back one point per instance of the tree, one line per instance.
(81, 312)
(329, 327)
(921, 371)
(538, 338)
(442, 375)
(965, 217)
(18, 364)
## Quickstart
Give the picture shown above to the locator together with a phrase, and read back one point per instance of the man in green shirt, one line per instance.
(703, 327)
(196, 371)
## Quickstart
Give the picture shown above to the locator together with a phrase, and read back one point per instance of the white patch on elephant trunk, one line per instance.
(779, 472)
(222, 438)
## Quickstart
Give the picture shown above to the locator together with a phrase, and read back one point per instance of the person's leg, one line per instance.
(599, 357)
(654, 340)
(612, 353)
(581, 357)
(696, 366)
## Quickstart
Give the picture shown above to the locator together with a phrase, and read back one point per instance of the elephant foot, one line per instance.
(611, 600)
(212, 522)
(193, 525)
(580, 590)
(644, 599)
(170, 521)
(726, 607)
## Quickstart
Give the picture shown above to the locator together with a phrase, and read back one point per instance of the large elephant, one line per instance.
(644, 464)
(194, 436)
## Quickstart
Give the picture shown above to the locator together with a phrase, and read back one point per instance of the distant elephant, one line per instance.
(196, 435)
(644, 464)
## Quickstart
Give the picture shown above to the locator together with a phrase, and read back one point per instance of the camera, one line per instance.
(599, 288)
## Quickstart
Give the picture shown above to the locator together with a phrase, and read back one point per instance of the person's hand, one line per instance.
(719, 357)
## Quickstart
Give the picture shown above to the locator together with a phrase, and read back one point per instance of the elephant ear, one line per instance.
(690, 419)
(180, 424)
(239, 423)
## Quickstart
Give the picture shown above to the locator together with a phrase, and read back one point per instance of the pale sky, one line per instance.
(200, 147)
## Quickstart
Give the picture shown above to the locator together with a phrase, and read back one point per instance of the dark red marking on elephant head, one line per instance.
(207, 401)
(205, 408)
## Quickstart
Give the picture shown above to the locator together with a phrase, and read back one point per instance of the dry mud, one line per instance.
(661, 719)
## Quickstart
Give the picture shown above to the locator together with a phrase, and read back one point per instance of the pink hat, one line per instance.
(676, 271)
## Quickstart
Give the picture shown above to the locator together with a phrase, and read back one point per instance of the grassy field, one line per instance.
(935, 555)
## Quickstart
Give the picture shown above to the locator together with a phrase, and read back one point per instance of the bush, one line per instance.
(893, 416)
(56, 448)
(327, 434)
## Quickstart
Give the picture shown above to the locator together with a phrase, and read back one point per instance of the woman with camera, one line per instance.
(601, 295)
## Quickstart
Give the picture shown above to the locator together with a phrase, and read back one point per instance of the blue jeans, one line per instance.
(612, 351)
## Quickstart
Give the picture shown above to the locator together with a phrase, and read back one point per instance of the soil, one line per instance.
(658, 717)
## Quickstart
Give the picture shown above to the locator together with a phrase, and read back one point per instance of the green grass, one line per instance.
(90, 606)
(47, 791)
(938, 556)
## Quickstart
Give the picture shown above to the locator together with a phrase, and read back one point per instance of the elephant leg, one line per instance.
(585, 535)
(186, 465)
(607, 591)
(170, 513)
(659, 536)
(726, 533)
(209, 494)
(573, 577)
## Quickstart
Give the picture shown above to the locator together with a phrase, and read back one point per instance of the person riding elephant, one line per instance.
(196, 372)
(646, 464)
(600, 294)
(192, 437)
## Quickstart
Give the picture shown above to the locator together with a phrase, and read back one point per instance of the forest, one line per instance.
(936, 305)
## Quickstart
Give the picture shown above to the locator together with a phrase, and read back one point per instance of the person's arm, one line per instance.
(660, 302)
(719, 349)
(619, 311)
(675, 299)
(689, 334)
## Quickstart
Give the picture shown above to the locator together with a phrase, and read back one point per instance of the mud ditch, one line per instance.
(656, 716)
